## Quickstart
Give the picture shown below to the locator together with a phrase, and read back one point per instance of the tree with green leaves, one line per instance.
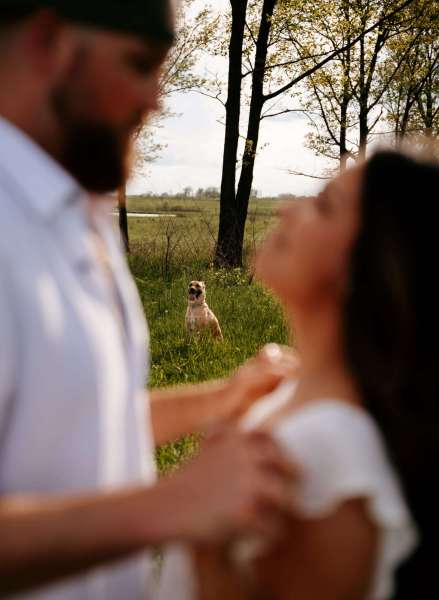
(329, 92)
(274, 46)
(348, 97)
(412, 101)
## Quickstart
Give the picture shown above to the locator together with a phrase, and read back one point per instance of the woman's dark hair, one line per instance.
(10, 15)
(391, 328)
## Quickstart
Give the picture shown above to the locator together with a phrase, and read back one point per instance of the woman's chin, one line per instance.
(258, 273)
(265, 278)
(267, 272)
(272, 281)
(260, 265)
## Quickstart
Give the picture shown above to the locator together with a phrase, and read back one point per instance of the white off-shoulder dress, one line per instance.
(343, 456)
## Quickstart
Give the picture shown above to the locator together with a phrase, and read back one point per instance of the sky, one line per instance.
(194, 140)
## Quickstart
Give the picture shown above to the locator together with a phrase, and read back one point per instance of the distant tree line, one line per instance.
(213, 193)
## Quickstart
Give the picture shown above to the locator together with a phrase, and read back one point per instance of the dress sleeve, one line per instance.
(7, 348)
(343, 457)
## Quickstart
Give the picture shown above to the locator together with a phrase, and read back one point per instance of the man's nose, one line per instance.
(151, 94)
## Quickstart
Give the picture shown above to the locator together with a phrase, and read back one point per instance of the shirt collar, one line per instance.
(45, 185)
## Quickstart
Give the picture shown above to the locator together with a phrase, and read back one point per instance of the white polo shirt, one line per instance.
(72, 401)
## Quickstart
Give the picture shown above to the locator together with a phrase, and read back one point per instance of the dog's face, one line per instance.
(196, 292)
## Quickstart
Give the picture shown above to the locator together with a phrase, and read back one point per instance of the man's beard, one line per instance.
(94, 153)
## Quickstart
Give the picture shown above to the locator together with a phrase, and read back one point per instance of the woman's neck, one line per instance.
(319, 339)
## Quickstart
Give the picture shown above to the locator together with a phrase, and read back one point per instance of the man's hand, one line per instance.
(239, 484)
(259, 376)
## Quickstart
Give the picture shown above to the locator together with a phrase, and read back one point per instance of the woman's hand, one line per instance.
(259, 376)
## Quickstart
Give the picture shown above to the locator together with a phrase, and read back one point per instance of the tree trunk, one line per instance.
(254, 122)
(404, 121)
(247, 170)
(429, 118)
(343, 130)
(363, 108)
(364, 133)
(346, 96)
(226, 248)
(232, 255)
(123, 217)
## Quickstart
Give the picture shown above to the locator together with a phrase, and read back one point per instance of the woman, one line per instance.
(354, 269)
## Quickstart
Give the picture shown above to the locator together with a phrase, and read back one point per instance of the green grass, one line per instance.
(249, 318)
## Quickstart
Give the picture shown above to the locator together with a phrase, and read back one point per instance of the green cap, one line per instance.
(146, 18)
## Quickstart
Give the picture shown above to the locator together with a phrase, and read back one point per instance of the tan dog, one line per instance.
(199, 317)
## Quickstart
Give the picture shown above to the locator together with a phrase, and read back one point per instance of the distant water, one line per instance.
(146, 215)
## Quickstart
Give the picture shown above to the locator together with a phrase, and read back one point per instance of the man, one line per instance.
(77, 482)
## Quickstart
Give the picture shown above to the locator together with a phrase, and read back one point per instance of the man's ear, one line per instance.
(49, 42)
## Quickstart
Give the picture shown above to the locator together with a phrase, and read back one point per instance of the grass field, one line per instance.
(248, 314)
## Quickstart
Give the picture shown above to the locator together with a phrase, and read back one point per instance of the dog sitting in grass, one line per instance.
(199, 317)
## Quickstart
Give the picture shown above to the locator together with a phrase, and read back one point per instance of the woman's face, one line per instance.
(306, 256)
